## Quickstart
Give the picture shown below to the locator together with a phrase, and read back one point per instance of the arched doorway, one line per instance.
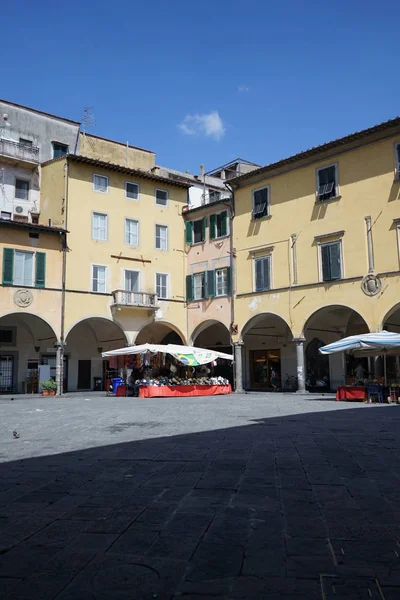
(214, 335)
(326, 325)
(159, 333)
(391, 322)
(85, 342)
(270, 354)
(27, 353)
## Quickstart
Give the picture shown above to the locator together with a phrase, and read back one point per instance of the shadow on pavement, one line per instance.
(303, 506)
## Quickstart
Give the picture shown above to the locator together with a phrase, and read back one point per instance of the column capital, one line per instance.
(299, 340)
(238, 344)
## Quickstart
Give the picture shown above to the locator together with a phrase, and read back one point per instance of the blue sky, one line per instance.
(207, 82)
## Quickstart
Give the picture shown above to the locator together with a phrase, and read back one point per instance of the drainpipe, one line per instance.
(60, 346)
(294, 257)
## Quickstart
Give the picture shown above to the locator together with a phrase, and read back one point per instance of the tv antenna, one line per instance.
(88, 120)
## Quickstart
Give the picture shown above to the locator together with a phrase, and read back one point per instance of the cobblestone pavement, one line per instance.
(251, 496)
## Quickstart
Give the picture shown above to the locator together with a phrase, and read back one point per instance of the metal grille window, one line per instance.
(22, 189)
(327, 178)
(161, 237)
(99, 227)
(331, 261)
(199, 286)
(99, 279)
(260, 203)
(131, 190)
(23, 268)
(6, 373)
(162, 197)
(100, 184)
(131, 232)
(263, 273)
(222, 282)
(162, 285)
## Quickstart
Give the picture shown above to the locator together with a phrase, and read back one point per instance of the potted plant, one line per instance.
(49, 387)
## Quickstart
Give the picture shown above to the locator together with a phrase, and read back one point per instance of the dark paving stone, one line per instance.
(136, 540)
(213, 561)
(307, 547)
(93, 542)
(334, 587)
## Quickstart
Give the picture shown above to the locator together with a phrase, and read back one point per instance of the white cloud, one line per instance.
(209, 125)
(243, 89)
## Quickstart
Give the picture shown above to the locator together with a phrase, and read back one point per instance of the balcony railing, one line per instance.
(21, 152)
(138, 299)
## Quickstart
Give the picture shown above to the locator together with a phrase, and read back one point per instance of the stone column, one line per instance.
(59, 367)
(238, 368)
(301, 376)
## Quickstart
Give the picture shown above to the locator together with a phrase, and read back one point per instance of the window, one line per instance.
(222, 282)
(22, 189)
(99, 227)
(99, 278)
(161, 197)
(219, 225)
(131, 190)
(161, 237)
(260, 203)
(24, 268)
(5, 215)
(131, 232)
(331, 261)
(25, 142)
(7, 337)
(196, 231)
(100, 184)
(327, 183)
(398, 160)
(162, 285)
(59, 149)
(131, 281)
(263, 273)
(199, 286)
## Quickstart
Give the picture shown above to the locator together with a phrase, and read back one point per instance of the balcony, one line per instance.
(125, 298)
(19, 153)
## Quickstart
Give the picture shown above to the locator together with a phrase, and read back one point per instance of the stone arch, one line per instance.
(391, 320)
(218, 336)
(158, 332)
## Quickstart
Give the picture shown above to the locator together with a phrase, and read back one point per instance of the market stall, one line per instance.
(165, 370)
(369, 344)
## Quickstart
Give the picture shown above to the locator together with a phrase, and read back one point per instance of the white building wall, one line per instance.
(8, 176)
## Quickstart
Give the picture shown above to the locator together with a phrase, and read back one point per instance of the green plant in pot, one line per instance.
(49, 387)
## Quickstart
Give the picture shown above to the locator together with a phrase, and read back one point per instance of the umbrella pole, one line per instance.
(384, 368)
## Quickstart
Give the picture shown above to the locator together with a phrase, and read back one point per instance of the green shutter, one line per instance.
(224, 223)
(40, 277)
(8, 266)
(213, 227)
(189, 288)
(210, 279)
(189, 232)
(229, 278)
(203, 228)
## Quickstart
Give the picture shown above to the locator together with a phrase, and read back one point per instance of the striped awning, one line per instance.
(380, 342)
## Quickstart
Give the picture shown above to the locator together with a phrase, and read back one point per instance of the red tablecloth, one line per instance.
(351, 392)
(150, 391)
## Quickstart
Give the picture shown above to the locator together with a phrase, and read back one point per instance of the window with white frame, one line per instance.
(398, 160)
(22, 189)
(221, 276)
(131, 232)
(261, 203)
(99, 226)
(23, 268)
(327, 183)
(199, 286)
(131, 190)
(161, 197)
(161, 237)
(262, 268)
(331, 261)
(100, 184)
(162, 285)
(131, 281)
(99, 274)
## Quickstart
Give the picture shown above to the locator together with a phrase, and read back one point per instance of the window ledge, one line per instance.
(334, 199)
(265, 218)
(221, 237)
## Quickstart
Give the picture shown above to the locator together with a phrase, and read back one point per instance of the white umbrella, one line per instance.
(380, 343)
(188, 355)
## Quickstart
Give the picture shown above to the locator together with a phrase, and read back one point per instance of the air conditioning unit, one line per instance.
(21, 211)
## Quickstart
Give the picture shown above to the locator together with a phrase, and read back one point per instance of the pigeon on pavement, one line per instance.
(16, 434)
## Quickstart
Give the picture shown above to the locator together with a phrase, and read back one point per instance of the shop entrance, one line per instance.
(6, 373)
(265, 369)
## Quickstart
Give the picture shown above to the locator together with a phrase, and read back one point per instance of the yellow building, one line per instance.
(30, 300)
(316, 238)
(124, 263)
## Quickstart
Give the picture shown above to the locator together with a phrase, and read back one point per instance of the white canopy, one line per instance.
(188, 355)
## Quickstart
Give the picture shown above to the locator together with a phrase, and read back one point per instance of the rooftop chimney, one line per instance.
(202, 170)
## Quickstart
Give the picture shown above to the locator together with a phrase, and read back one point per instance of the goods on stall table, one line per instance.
(170, 381)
